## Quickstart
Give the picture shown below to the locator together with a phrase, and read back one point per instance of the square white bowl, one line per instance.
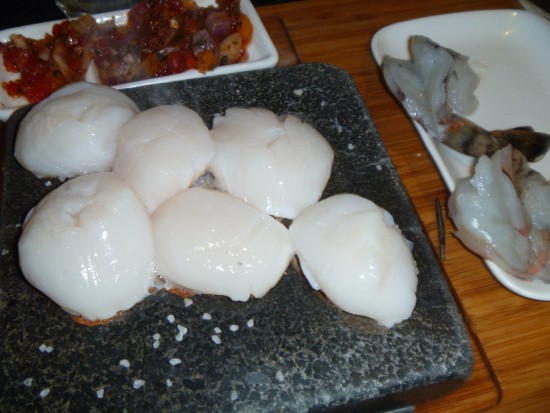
(261, 54)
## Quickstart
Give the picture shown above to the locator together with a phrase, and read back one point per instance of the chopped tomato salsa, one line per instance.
(162, 37)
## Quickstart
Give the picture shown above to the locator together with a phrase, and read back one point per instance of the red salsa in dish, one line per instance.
(161, 37)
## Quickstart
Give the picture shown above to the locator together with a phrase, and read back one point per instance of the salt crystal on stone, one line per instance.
(233, 327)
(100, 393)
(298, 92)
(28, 382)
(216, 339)
(124, 363)
(169, 383)
(5, 252)
(171, 318)
(156, 344)
(351, 146)
(181, 332)
(48, 183)
(378, 167)
(250, 323)
(279, 376)
(234, 396)
(217, 330)
(44, 393)
(206, 316)
(175, 361)
(138, 383)
(156, 336)
(45, 349)
(187, 302)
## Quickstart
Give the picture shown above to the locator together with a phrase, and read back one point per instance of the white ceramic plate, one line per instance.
(508, 49)
(261, 54)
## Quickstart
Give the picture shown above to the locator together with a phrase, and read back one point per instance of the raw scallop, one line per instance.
(162, 151)
(352, 250)
(88, 245)
(279, 166)
(74, 131)
(214, 243)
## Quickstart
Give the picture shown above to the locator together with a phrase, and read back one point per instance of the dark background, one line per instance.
(14, 13)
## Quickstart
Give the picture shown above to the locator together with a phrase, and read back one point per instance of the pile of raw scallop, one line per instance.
(155, 199)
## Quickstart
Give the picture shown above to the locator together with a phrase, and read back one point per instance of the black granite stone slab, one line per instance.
(301, 353)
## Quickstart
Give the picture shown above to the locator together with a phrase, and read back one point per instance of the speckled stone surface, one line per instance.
(293, 350)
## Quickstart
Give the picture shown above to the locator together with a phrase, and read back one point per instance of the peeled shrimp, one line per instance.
(436, 88)
(433, 84)
(493, 222)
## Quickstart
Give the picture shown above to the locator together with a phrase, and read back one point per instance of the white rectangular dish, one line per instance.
(261, 54)
(506, 49)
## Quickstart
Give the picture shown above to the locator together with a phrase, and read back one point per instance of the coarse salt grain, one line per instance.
(44, 392)
(175, 361)
(45, 349)
(298, 92)
(206, 316)
(234, 396)
(156, 342)
(124, 363)
(217, 330)
(171, 318)
(351, 146)
(378, 167)
(48, 183)
(216, 339)
(5, 252)
(181, 332)
(28, 382)
(138, 383)
(233, 327)
(250, 323)
(169, 383)
(100, 393)
(279, 376)
(187, 302)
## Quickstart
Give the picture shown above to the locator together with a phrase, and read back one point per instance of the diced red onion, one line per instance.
(218, 24)
(202, 41)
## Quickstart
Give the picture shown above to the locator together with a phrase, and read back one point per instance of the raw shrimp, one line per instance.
(493, 222)
(533, 190)
(436, 87)
(433, 84)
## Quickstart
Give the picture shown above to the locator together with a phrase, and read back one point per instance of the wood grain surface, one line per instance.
(510, 334)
